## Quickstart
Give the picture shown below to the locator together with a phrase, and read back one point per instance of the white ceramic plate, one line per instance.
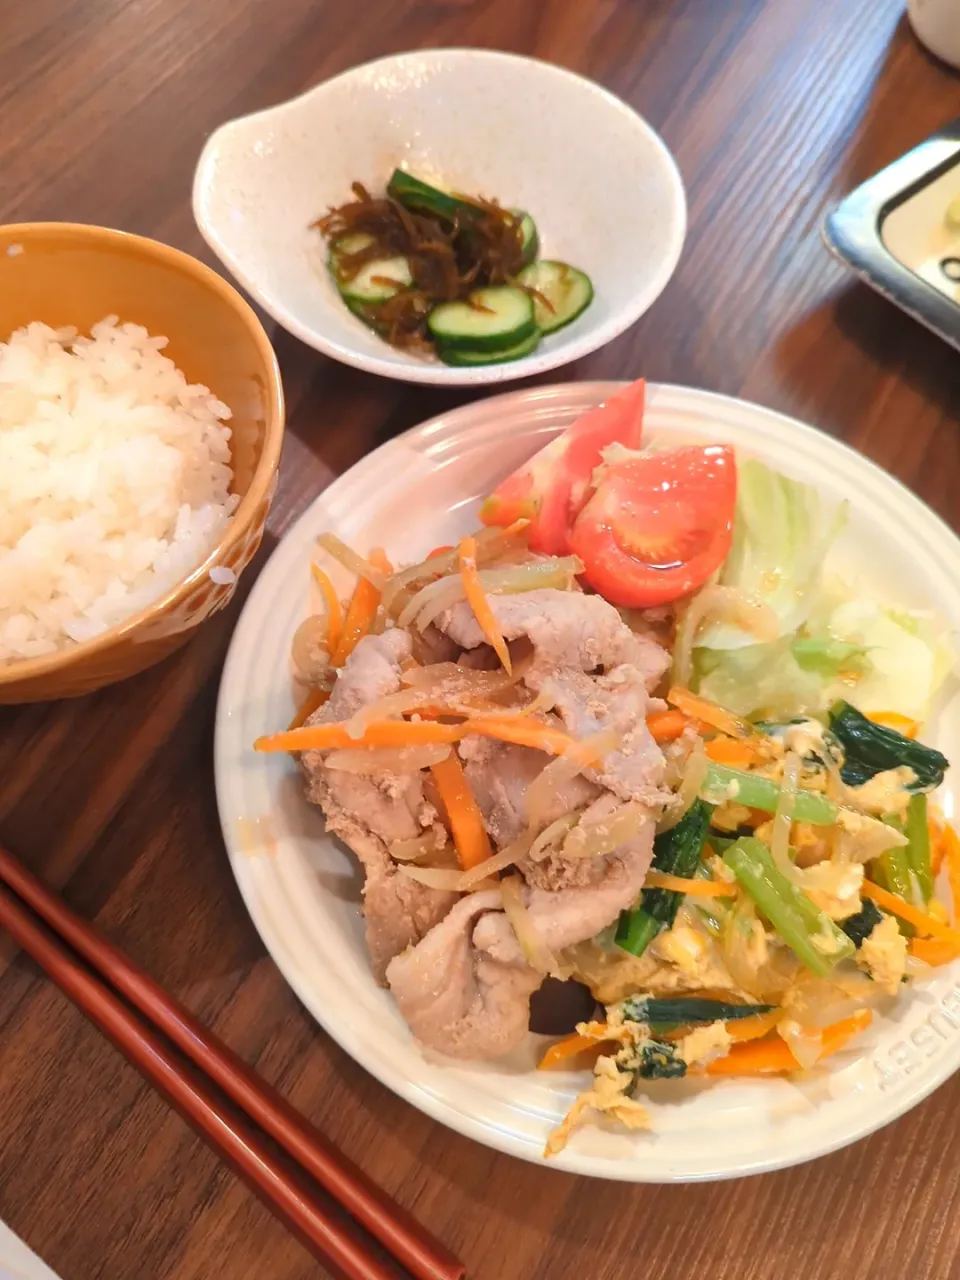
(602, 187)
(302, 888)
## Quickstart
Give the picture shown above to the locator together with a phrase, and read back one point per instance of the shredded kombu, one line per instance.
(448, 259)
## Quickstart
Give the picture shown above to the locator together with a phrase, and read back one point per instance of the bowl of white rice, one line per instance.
(141, 419)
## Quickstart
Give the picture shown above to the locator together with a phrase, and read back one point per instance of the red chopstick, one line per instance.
(399, 1233)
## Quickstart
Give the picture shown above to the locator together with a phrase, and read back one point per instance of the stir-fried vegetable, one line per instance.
(871, 748)
(918, 844)
(574, 1046)
(408, 733)
(913, 915)
(756, 792)
(683, 1011)
(332, 604)
(689, 888)
(313, 701)
(863, 923)
(773, 1057)
(676, 852)
(470, 837)
(709, 713)
(808, 932)
(361, 611)
(478, 602)
(951, 848)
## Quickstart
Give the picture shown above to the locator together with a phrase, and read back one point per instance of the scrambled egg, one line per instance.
(683, 958)
(826, 941)
(884, 955)
(835, 887)
(886, 792)
(806, 738)
(703, 1044)
(609, 1096)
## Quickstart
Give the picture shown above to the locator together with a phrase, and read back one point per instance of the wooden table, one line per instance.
(774, 109)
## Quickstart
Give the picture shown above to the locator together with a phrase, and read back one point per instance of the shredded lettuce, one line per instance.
(781, 535)
(906, 657)
(832, 643)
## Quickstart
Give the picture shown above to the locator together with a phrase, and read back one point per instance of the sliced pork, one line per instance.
(566, 629)
(499, 774)
(455, 995)
(369, 812)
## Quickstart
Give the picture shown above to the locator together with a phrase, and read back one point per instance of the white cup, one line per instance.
(937, 25)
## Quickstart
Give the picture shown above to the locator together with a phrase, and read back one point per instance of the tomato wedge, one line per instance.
(554, 486)
(658, 525)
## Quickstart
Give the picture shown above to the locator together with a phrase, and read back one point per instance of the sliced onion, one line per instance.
(351, 560)
(737, 928)
(548, 841)
(463, 682)
(435, 877)
(387, 759)
(725, 604)
(538, 956)
(805, 1043)
(817, 1002)
(308, 648)
(386, 708)
(436, 597)
(416, 848)
(694, 776)
(545, 790)
(597, 837)
(783, 819)
(513, 852)
(491, 543)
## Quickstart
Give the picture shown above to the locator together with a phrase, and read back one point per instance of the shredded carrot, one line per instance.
(381, 733)
(361, 611)
(407, 733)
(740, 1030)
(479, 603)
(771, 1057)
(694, 888)
(906, 911)
(439, 551)
(574, 1046)
(932, 951)
(709, 712)
(311, 703)
(470, 837)
(894, 720)
(667, 726)
(737, 753)
(951, 855)
(524, 731)
(332, 604)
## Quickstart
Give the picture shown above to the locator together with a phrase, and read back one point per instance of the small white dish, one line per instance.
(302, 888)
(603, 189)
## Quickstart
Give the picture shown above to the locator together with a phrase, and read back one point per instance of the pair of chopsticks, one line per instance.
(59, 945)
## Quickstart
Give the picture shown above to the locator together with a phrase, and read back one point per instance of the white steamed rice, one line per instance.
(114, 481)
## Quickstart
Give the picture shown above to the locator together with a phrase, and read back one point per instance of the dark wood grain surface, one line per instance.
(774, 109)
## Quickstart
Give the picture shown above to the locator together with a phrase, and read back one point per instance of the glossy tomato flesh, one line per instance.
(555, 484)
(658, 525)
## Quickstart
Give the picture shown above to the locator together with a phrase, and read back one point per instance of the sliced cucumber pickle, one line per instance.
(568, 291)
(420, 197)
(529, 234)
(375, 281)
(464, 357)
(489, 319)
